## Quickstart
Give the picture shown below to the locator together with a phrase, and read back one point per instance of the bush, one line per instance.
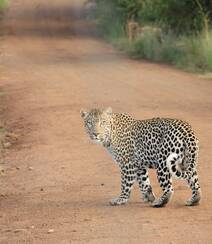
(186, 40)
(188, 52)
(207, 50)
(187, 16)
(3, 5)
(171, 50)
(109, 19)
(147, 46)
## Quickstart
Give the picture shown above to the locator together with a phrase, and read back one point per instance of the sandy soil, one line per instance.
(54, 178)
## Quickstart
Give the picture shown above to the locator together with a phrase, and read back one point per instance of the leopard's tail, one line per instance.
(177, 166)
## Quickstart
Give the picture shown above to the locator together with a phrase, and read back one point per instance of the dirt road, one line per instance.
(55, 180)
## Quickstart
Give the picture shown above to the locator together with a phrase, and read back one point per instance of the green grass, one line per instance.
(207, 50)
(196, 53)
(192, 53)
(3, 5)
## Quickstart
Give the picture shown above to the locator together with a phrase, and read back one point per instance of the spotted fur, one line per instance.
(167, 145)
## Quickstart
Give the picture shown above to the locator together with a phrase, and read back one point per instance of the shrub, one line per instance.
(186, 40)
(147, 46)
(187, 16)
(3, 5)
(207, 50)
(188, 52)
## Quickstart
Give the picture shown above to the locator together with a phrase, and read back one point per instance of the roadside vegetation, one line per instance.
(3, 5)
(168, 31)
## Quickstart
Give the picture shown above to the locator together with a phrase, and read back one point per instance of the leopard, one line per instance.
(167, 145)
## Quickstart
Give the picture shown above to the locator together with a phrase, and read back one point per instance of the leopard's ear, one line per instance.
(108, 111)
(83, 113)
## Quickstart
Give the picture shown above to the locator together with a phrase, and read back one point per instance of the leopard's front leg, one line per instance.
(144, 185)
(128, 177)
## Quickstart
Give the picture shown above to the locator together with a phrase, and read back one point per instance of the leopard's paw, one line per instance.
(149, 197)
(158, 203)
(194, 200)
(117, 201)
(163, 200)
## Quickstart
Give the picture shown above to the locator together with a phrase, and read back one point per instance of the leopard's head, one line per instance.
(97, 124)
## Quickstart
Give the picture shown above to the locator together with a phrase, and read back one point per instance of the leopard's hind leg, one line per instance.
(189, 173)
(193, 182)
(165, 181)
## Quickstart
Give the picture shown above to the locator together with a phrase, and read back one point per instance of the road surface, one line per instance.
(56, 184)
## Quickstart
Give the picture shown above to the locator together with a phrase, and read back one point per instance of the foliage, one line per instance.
(186, 16)
(188, 52)
(186, 38)
(3, 4)
(109, 19)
